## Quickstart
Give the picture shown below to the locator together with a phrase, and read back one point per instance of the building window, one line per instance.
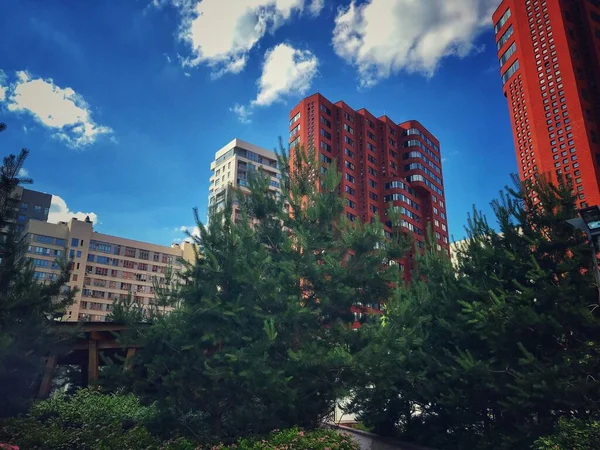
(508, 53)
(502, 21)
(37, 208)
(511, 71)
(295, 119)
(24, 206)
(505, 37)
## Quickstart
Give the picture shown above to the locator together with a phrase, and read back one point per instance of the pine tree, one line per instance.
(261, 339)
(493, 355)
(27, 308)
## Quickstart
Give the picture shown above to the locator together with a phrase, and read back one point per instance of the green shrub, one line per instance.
(92, 407)
(89, 420)
(296, 439)
(572, 435)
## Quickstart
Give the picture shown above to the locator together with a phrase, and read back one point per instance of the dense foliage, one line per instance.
(27, 308)
(574, 434)
(91, 420)
(296, 439)
(261, 338)
(493, 354)
(88, 420)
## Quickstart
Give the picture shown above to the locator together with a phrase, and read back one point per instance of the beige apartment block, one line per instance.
(232, 167)
(104, 267)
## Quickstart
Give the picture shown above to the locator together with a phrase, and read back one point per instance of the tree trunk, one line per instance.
(217, 421)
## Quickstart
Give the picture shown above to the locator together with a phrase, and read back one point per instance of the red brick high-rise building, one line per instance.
(549, 52)
(383, 164)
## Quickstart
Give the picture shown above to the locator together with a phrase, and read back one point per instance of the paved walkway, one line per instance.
(369, 441)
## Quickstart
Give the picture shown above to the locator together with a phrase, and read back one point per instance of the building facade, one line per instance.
(104, 267)
(383, 164)
(232, 167)
(33, 205)
(549, 53)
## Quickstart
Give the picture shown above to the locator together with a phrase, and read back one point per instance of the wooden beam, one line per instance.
(93, 363)
(48, 375)
(101, 345)
(98, 336)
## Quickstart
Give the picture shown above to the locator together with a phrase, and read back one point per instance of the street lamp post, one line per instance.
(589, 222)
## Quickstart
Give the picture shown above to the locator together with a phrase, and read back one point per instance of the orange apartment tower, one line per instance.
(383, 164)
(549, 53)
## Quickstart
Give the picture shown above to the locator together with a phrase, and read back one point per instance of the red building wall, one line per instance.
(554, 94)
(381, 162)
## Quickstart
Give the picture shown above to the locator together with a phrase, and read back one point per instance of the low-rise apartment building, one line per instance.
(104, 267)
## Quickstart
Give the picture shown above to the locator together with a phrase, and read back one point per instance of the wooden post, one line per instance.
(93, 362)
(129, 359)
(48, 375)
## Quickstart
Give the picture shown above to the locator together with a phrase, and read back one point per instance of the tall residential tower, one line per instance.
(383, 164)
(232, 166)
(549, 52)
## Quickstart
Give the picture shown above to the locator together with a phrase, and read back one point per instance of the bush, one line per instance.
(572, 435)
(92, 407)
(296, 439)
(89, 420)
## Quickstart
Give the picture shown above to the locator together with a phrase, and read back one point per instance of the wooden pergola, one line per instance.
(83, 346)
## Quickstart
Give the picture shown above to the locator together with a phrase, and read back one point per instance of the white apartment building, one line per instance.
(232, 166)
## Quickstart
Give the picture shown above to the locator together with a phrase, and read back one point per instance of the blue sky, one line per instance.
(124, 103)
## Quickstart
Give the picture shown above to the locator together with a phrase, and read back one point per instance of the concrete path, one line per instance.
(370, 441)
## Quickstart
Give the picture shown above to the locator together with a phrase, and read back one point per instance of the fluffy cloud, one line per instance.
(61, 109)
(316, 6)
(23, 173)
(382, 37)
(285, 71)
(193, 230)
(2, 87)
(244, 113)
(60, 212)
(221, 33)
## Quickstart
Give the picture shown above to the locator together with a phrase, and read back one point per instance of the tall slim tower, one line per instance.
(383, 164)
(233, 165)
(549, 52)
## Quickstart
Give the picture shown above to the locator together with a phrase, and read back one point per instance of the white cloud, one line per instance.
(61, 109)
(383, 37)
(23, 173)
(193, 230)
(286, 70)
(316, 6)
(244, 113)
(221, 33)
(60, 212)
(2, 88)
